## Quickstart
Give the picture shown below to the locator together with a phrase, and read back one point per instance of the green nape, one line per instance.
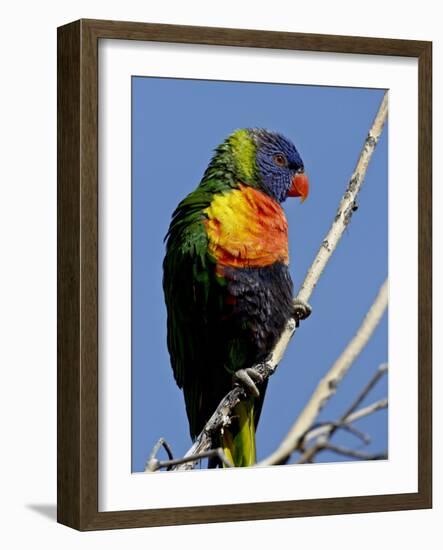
(243, 150)
(239, 439)
(234, 162)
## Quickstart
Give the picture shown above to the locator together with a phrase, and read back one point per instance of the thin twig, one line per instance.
(354, 453)
(366, 411)
(153, 456)
(325, 432)
(364, 437)
(379, 373)
(345, 421)
(154, 464)
(347, 206)
(324, 427)
(308, 455)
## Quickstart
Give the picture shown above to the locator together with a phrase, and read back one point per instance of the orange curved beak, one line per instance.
(300, 186)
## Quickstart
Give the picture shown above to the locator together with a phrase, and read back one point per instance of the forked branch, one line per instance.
(322, 434)
(328, 384)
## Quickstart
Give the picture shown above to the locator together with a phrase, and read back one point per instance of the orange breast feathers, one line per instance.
(246, 228)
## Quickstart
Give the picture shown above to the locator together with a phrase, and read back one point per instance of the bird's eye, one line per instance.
(280, 160)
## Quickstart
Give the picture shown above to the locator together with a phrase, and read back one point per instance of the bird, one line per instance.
(226, 281)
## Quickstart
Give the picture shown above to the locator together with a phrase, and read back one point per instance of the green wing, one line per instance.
(187, 279)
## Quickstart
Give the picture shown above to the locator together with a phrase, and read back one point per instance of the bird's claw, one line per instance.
(248, 378)
(301, 310)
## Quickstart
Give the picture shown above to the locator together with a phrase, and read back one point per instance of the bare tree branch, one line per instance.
(344, 421)
(347, 206)
(379, 373)
(366, 411)
(323, 428)
(324, 433)
(321, 433)
(328, 385)
(353, 452)
(153, 456)
(153, 464)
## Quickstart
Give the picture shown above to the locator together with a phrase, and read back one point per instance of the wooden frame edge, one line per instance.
(68, 274)
(425, 272)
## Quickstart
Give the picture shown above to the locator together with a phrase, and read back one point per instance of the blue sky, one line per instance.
(176, 124)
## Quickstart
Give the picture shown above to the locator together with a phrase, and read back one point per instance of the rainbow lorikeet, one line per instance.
(226, 280)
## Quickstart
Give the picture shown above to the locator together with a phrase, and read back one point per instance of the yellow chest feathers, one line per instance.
(246, 228)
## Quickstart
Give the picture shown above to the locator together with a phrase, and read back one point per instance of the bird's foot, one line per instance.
(248, 378)
(301, 310)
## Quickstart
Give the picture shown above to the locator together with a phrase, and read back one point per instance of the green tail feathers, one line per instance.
(238, 440)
